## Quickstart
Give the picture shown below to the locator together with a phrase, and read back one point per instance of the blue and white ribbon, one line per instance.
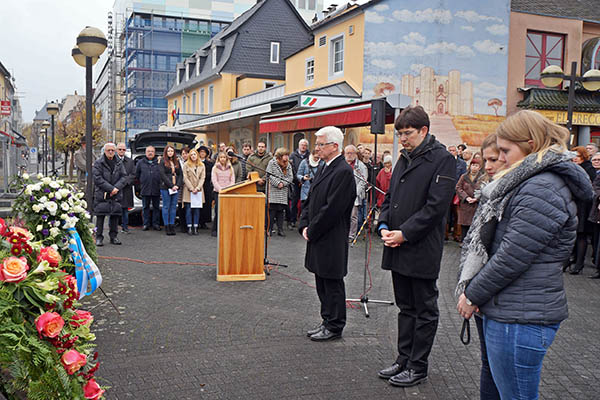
(86, 270)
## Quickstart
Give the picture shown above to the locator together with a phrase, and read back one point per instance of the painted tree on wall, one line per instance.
(495, 104)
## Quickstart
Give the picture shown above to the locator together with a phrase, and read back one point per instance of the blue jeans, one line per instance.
(515, 353)
(192, 215)
(487, 387)
(155, 201)
(169, 206)
(124, 217)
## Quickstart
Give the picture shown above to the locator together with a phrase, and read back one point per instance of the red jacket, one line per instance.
(383, 182)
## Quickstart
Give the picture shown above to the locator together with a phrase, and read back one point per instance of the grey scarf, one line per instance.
(494, 198)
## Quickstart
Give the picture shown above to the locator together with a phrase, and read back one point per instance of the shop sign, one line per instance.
(579, 118)
(5, 107)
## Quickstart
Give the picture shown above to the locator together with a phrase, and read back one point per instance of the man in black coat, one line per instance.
(147, 172)
(127, 201)
(324, 224)
(411, 225)
(109, 181)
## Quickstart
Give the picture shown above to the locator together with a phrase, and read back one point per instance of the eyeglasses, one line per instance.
(120, 149)
(110, 149)
(321, 145)
(406, 132)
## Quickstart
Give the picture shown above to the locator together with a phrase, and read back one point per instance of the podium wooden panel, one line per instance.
(241, 229)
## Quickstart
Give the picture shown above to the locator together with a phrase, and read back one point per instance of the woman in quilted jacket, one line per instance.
(517, 244)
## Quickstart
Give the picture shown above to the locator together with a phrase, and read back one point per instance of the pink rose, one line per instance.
(92, 390)
(14, 269)
(81, 318)
(51, 255)
(73, 360)
(49, 324)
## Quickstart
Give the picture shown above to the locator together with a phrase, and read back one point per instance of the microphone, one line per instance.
(230, 153)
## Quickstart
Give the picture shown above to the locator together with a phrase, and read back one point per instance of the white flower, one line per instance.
(50, 298)
(25, 175)
(73, 241)
(54, 231)
(64, 192)
(52, 207)
(43, 199)
(64, 206)
(46, 180)
(36, 187)
(56, 223)
(58, 196)
(48, 284)
(28, 190)
(40, 176)
(60, 182)
(54, 246)
(64, 216)
(39, 228)
(42, 267)
(54, 185)
(36, 208)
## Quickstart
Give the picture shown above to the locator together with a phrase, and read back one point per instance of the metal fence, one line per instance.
(13, 161)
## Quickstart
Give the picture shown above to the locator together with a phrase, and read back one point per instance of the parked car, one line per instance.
(158, 139)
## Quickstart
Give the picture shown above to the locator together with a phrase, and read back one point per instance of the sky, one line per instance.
(37, 38)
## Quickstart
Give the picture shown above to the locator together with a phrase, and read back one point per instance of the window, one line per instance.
(336, 56)
(322, 40)
(211, 98)
(542, 49)
(194, 103)
(275, 52)
(351, 30)
(184, 104)
(214, 57)
(310, 71)
(201, 101)
(312, 4)
(269, 84)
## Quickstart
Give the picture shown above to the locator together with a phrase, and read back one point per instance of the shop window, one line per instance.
(542, 49)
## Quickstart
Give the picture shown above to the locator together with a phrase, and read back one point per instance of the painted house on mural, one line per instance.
(555, 33)
(223, 88)
(451, 59)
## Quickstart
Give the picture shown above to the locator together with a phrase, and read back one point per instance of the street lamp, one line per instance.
(91, 43)
(45, 126)
(52, 109)
(553, 76)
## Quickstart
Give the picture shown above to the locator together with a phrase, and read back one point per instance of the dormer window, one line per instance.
(275, 52)
(187, 71)
(197, 66)
(214, 57)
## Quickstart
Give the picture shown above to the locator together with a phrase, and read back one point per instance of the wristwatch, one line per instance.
(469, 302)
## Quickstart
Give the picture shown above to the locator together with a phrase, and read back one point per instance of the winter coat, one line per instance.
(522, 282)
(584, 207)
(193, 179)
(105, 180)
(255, 160)
(466, 187)
(461, 167)
(167, 175)
(147, 173)
(208, 186)
(360, 171)
(237, 170)
(594, 212)
(296, 159)
(129, 165)
(417, 202)
(222, 177)
(279, 195)
(306, 169)
(383, 183)
(326, 213)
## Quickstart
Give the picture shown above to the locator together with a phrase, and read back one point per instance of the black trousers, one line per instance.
(113, 222)
(276, 213)
(417, 320)
(216, 220)
(332, 295)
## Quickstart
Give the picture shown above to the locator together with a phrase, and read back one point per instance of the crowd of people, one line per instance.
(524, 208)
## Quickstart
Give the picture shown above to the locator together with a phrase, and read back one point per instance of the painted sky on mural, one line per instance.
(470, 36)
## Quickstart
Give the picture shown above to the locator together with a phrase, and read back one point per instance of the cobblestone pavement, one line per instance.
(183, 335)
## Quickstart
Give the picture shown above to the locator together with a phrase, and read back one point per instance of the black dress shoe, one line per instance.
(596, 276)
(281, 233)
(315, 330)
(407, 378)
(575, 271)
(125, 230)
(157, 228)
(324, 335)
(99, 243)
(146, 228)
(115, 241)
(203, 226)
(388, 372)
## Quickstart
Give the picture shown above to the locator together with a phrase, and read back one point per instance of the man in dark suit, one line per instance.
(324, 224)
(411, 225)
(127, 201)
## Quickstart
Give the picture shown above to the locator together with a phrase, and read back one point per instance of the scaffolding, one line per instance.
(146, 49)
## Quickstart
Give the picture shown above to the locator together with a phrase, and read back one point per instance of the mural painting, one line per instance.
(449, 57)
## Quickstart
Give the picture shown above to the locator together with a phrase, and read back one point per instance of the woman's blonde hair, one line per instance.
(189, 161)
(530, 125)
(490, 141)
(280, 152)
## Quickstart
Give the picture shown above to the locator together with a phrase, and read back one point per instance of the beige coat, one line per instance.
(193, 179)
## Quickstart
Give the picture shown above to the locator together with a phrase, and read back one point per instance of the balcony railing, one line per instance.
(258, 97)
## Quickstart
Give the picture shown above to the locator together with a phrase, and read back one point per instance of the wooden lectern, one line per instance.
(241, 252)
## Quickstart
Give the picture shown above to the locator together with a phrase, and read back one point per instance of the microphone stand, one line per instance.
(364, 299)
(266, 263)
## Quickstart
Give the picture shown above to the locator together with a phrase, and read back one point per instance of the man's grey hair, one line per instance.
(351, 147)
(121, 143)
(108, 145)
(595, 154)
(303, 141)
(332, 134)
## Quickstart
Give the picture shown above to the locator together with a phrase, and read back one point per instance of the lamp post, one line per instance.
(45, 126)
(553, 76)
(52, 109)
(91, 43)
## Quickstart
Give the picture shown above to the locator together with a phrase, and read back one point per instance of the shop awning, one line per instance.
(343, 116)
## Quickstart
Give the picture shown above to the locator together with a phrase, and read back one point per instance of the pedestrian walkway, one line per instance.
(182, 335)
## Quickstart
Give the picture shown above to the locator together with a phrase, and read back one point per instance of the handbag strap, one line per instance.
(465, 332)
